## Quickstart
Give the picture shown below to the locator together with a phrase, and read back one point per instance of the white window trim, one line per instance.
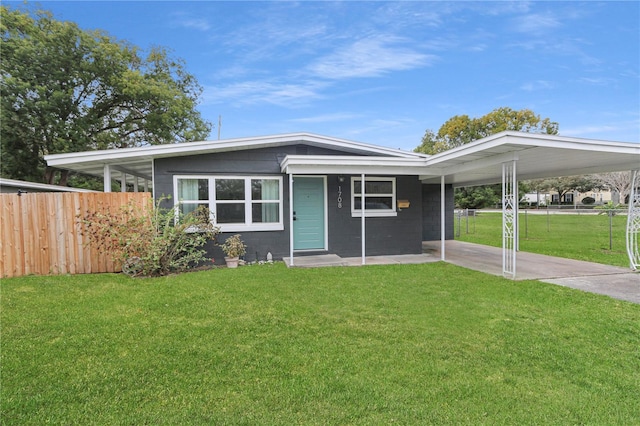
(374, 213)
(248, 202)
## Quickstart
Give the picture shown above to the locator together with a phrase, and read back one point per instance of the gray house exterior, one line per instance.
(301, 194)
(398, 223)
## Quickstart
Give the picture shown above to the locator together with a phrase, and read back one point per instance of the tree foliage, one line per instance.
(477, 197)
(619, 183)
(65, 89)
(460, 129)
(155, 244)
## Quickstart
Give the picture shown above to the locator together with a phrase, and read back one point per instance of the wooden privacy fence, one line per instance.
(42, 233)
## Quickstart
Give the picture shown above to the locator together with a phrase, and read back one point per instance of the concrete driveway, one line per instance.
(613, 281)
(619, 283)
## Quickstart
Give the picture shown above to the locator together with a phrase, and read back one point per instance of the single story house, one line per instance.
(299, 194)
(573, 199)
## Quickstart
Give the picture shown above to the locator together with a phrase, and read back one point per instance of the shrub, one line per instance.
(151, 245)
(609, 209)
(234, 246)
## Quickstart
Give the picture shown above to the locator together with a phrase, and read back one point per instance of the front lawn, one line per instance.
(405, 344)
(574, 236)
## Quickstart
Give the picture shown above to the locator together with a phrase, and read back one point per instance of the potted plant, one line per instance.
(233, 248)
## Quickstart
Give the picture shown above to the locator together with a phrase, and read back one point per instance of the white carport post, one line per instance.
(290, 219)
(509, 218)
(443, 217)
(633, 221)
(107, 179)
(362, 219)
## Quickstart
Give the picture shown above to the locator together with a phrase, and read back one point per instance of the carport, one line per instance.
(511, 156)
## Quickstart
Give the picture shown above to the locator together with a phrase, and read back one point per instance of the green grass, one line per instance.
(581, 237)
(404, 344)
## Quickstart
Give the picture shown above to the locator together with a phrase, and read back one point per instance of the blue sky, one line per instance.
(384, 72)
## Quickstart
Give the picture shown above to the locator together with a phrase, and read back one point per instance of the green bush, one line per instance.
(152, 245)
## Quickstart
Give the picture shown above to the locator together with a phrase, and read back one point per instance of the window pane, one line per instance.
(266, 212)
(230, 189)
(379, 187)
(357, 185)
(230, 213)
(357, 203)
(193, 189)
(379, 203)
(188, 208)
(374, 203)
(265, 189)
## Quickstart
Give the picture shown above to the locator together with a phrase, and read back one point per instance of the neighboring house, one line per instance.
(12, 186)
(303, 193)
(573, 198)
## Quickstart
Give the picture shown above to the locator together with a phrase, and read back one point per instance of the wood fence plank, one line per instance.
(71, 206)
(61, 230)
(9, 240)
(19, 248)
(42, 233)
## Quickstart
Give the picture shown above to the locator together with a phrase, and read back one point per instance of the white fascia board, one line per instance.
(21, 184)
(203, 147)
(522, 140)
(333, 164)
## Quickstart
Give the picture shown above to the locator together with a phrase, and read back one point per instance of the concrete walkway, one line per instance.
(613, 281)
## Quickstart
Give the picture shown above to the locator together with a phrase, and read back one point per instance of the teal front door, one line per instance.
(308, 213)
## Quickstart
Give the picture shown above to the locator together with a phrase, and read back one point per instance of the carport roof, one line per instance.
(537, 155)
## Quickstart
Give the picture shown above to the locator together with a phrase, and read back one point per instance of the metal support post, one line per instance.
(509, 219)
(633, 222)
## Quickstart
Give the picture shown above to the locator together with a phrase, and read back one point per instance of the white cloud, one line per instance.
(261, 92)
(533, 86)
(196, 23)
(369, 57)
(327, 118)
(602, 81)
(536, 23)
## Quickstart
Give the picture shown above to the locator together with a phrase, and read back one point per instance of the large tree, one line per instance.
(65, 89)
(460, 130)
(619, 183)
